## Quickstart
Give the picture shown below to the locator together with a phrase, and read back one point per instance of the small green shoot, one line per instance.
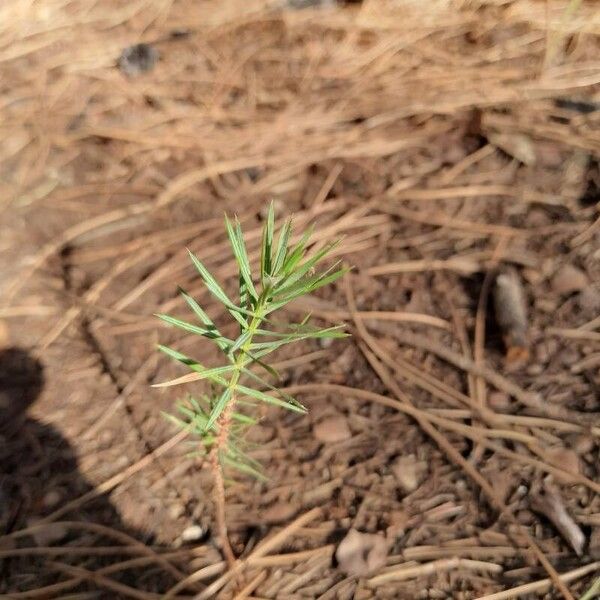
(286, 273)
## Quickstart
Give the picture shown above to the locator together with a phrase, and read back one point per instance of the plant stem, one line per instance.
(221, 442)
(224, 423)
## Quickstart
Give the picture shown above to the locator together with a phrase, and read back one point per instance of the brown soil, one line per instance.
(447, 145)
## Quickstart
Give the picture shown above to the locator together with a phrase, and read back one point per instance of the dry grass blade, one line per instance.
(423, 133)
(403, 573)
(543, 585)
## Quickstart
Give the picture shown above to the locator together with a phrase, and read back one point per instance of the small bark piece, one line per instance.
(549, 503)
(361, 553)
(511, 314)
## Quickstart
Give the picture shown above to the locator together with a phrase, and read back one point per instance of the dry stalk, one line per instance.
(220, 445)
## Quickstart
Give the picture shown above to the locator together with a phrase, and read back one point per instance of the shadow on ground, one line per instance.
(39, 474)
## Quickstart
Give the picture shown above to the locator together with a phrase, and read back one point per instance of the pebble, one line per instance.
(48, 534)
(51, 498)
(332, 429)
(176, 511)
(361, 553)
(569, 279)
(193, 533)
(546, 305)
(408, 473)
(589, 300)
(138, 59)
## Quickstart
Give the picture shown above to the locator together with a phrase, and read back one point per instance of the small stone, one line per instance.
(398, 521)
(49, 533)
(193, 533)
(138, 59)
(594, 545)
(569, 279)
(408, 472)
(361, 553)
(589, 301)
(176, 511)
(51, 498)
(546, 305)
(564, 459)
(332, 429)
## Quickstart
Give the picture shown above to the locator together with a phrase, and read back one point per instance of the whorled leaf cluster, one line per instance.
(286, 272)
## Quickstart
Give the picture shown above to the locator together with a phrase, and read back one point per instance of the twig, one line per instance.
(436, 566)
(543, 585)
(220, 446)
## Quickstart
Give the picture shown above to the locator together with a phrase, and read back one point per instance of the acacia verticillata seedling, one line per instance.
(219, 419)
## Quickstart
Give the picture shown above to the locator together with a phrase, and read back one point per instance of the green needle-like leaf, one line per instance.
(294, 256)
(282, 245)
(239, 250)
(209, 333)
(266, 249)
(246, 391)
(218, 408)
(285, 274)
(217, 291)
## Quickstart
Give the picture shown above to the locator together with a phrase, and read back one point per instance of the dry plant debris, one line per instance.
(446, 142)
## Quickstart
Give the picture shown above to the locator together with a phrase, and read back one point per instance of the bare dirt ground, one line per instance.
(448, 143)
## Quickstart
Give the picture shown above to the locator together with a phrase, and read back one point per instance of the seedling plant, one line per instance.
(220, 419)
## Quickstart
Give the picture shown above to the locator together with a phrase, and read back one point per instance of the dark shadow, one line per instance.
(39, 474)
(472, 287)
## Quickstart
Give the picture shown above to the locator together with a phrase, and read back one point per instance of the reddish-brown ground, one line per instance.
(446, 145)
